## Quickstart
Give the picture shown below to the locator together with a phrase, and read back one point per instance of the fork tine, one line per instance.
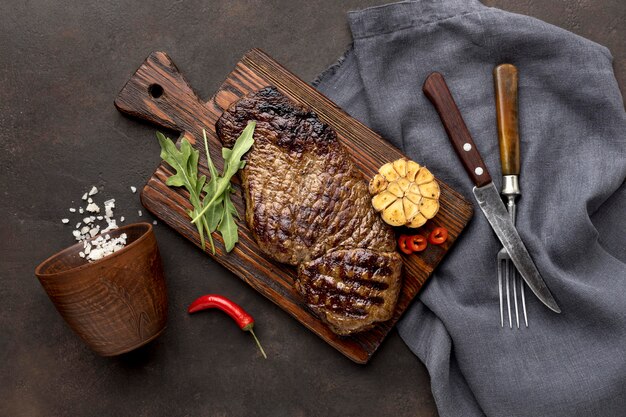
(513, 273)
(508, 297)
(523, 302)
(500, 293)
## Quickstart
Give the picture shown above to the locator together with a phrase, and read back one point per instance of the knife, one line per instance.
(485, 191)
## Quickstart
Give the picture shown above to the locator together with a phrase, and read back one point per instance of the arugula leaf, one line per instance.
(215, 211)
(228, 227)
(179, 160)
(231, 165)
(212, 169)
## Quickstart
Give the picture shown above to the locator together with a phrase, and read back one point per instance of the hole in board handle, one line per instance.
(155, 90)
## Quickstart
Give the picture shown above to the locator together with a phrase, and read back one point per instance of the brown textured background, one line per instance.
(61, 66)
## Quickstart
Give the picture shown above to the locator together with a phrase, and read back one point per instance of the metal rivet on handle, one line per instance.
(478, 171)
(467, 147)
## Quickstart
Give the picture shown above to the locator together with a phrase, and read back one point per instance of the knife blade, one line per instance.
(436, 89)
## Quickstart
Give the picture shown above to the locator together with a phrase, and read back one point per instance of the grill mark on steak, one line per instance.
(308, 205)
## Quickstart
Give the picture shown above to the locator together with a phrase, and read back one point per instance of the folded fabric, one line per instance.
(572, 213)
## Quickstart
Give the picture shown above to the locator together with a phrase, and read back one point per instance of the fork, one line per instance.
(506, 82)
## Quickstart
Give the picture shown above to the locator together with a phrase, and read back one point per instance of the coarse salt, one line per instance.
(93, 208)
(109, 205)
(122, 219)
(111, 224)
(103, 246)
(139, 212)
(133, 189)
(87, 228)
(154, 222)
(94, 231)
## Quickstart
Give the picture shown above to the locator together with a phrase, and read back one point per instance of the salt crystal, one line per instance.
(133, 189)
(154, 222)
(104, 246)
(139, 212)
(109, 205)
(101, 245)
(96, 254)
(111, 224)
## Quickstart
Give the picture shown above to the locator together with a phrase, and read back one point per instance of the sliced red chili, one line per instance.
(438, 236)
(403, 245)
(241, 317)
(417, 243)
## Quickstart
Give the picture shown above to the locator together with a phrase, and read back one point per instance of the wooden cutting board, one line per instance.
(159, 93)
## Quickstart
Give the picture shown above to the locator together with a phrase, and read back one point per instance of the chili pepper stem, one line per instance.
(258, 343)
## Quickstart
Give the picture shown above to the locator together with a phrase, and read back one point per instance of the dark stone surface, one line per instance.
(60, 68)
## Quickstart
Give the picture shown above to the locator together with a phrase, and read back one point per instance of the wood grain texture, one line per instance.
(180, 109)
(117, 303)
(506, 81)
(437, 91)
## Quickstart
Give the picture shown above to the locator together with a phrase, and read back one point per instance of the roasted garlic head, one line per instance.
(405, 193)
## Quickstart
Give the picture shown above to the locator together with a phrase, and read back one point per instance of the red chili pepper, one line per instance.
(416, 243)
(403, 245)
(438, 236)
(243, 319)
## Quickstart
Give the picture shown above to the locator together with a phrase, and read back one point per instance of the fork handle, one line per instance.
(506, 83)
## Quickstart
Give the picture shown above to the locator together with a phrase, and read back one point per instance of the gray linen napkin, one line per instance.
(572, 213)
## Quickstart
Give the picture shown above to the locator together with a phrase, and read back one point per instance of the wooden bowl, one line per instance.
(114, 304)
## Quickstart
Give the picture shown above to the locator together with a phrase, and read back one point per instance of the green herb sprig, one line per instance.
(215, 210)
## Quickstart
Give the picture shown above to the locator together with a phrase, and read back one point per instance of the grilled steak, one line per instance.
(308, 205)
(351, 289)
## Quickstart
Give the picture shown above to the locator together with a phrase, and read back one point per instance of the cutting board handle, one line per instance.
(158, 92)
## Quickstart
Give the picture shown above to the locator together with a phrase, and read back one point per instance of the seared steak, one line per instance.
(308, 205)
(351, 289)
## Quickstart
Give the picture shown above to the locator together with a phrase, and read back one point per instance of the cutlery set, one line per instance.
(513, 259)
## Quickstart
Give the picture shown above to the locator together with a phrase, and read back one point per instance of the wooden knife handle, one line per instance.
(506, 81)
(437, 91)
(159, 93)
